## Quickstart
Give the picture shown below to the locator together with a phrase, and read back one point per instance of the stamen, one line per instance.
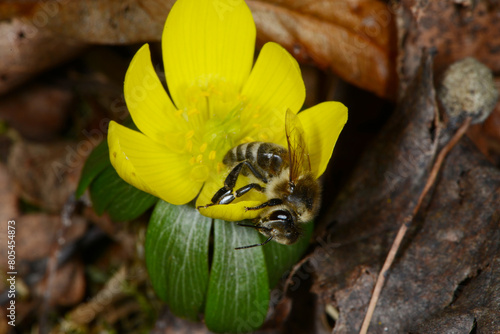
(211, 155)
(199, 158)
(203, 147)
(192, 161)
(263, 137)
(189, 146)
(178, 113)
(190, 134)
(220, 167)
(193, 112)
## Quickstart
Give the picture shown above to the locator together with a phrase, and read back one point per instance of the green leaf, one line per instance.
(238, 291)
(107, 190)
(96, 162)
(121, 200)
(280, 258)
(177, 257)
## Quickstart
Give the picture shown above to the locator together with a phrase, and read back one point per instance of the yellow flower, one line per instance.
(217, 102)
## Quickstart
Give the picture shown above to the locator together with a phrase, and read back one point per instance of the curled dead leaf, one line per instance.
(37, 235)
(452, 29)
(38, 112)
(66, 286)
(453, 237)
(355, 39)
(47, 174)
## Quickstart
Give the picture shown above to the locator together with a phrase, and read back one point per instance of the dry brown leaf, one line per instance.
(37, 238)
(454, 30)
(453, 237)
(4, 327)
(27, 49)
(486, 136)
(38, 112)
(8, 197)
(47, 174)
(107, 301)
(67, 285)
(355, 39)
(475, 306)
(37, 235)
(41, 34)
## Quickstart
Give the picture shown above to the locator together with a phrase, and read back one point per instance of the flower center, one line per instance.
(214, 128)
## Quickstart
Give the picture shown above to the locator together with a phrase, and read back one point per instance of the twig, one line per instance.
(404, 227)
(85, 313)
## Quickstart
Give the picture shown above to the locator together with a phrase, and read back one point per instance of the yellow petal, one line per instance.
(274, 85)
(206, 43)
(322, 126)
(150, 166)
(230, 212)
(148, 103)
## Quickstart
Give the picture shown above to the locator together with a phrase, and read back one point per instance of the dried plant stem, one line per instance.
(404, 227)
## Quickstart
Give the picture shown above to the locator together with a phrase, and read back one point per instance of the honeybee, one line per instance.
(285, 178)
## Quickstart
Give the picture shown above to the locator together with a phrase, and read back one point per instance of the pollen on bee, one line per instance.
(203, 147)
(211, 155)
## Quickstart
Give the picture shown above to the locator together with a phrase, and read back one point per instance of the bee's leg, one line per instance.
(243, 190)
(225, 194)
(257, 172)
(271, 202)
(231, 179)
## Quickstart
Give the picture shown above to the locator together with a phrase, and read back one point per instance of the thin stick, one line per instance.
(404, 227)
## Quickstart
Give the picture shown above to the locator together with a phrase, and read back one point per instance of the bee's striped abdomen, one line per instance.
(268, 157)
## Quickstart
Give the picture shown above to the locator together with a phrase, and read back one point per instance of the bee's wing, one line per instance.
(297, 147)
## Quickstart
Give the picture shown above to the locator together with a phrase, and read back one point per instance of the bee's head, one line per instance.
(280, 224)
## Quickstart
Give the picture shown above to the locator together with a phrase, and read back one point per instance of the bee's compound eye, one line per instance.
(281, 215)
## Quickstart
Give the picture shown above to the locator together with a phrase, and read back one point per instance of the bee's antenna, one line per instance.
(256, 245)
